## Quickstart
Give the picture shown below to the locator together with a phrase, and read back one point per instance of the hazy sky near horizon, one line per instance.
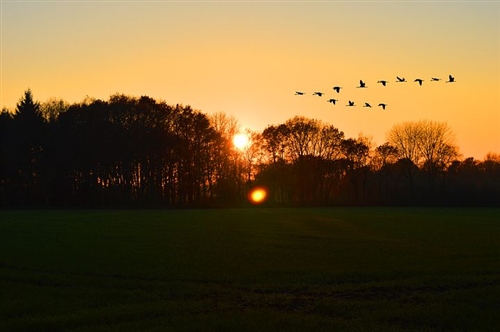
(247, 59)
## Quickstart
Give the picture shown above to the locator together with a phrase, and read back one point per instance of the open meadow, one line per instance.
(256, 269)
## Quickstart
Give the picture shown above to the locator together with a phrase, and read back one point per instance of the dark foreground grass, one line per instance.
(251, 270)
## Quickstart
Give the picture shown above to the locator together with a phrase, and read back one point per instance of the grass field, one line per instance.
(345, 269)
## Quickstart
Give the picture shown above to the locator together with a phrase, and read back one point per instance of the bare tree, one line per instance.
(306, 150)
(311, 137)
(405, 138)
(385, 154)
(491, 166)
(329, 145)
(356, 154)
(437, 148)
(275, 142)
(52, 108)
(253, 154)
(383, 161)
(303, 137)
(226, 125)
(225, 175)
(428, 145)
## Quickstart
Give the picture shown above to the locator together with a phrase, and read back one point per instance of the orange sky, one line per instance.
(247, 59)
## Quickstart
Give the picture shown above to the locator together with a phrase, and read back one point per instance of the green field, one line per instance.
(345, 269)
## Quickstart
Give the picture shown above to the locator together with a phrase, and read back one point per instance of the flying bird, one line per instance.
(332, 101)
(299, 93)
(318, 94)
(419, 80)
(351, 103)
(383, 82)
(452, 79)
(337, 88)
(367, 105)
(435, 79)
(400, 79)
(383, 105)
(362, 84)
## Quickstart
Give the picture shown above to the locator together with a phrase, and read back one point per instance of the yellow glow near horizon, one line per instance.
(241, 141)
(247, 59)
(257, 195)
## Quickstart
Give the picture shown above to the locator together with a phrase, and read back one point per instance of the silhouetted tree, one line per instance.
(405, 138)
(8, 169)
(356, 161)
(437, 148)
(383, 163)
(224, 180)
(302, 153)
(52, 108)
(428, 145)
(490, 167)
(252, 155)
(28, 146)
(276, 172)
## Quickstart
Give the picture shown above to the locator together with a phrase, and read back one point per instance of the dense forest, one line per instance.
(139, 152)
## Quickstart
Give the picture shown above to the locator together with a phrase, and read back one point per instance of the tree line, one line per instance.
(139, 152)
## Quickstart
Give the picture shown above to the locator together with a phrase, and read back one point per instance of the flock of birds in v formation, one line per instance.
(362, 84)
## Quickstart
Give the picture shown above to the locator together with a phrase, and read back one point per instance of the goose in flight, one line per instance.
(435, 79)
(383, 82)
(318, 94)
(362, 84)
(351, 103)
(332, 101)
(419, 80)
(337, 88)
(400, 79)
(383, 105)
(299, 93)
(367, 105)
(452, 79)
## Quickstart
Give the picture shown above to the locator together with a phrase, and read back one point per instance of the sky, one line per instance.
(247, 59)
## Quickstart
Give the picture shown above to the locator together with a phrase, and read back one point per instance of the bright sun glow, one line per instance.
(257, 195)
(240, 141)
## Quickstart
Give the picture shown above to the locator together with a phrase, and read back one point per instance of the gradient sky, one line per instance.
(247, 59)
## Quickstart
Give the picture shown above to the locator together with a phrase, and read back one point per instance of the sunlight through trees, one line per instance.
(130, 151)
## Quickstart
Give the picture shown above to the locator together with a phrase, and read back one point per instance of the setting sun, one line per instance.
(240, 141)
(257, 195)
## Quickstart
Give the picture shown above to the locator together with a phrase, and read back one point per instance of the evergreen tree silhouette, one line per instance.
(28, 144)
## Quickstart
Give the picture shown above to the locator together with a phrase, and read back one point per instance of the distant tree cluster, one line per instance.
(138, 152)
(312, 163)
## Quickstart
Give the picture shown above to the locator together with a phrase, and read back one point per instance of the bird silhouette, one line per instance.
(367, 105)
(337, 88)
(435, 79)
(299, 93)
(383, 82)
(351, 103)
(452, 79)
(362, 84)
(383, 105)
(400, 79)
(318, 94)
(419, 80)
(332, 101)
